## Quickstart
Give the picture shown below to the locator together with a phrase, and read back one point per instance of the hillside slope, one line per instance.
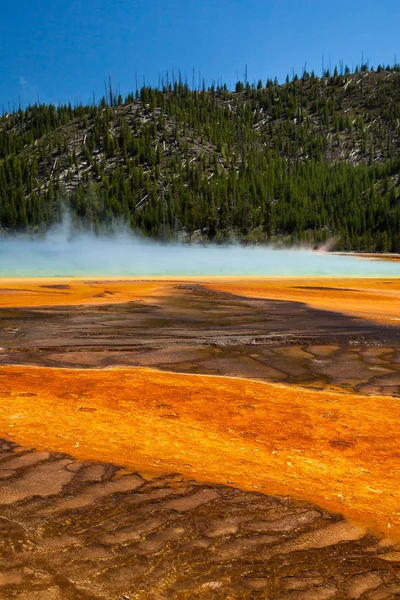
(308, 161)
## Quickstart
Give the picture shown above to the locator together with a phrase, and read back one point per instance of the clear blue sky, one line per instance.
(63, 51)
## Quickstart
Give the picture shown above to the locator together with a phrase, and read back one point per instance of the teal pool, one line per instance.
(124, 255)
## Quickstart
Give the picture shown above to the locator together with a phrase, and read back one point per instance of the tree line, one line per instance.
(312, 160)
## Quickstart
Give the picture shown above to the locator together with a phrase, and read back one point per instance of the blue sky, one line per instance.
(63, 51)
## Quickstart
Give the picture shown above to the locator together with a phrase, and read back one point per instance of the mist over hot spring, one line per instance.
(64, 251)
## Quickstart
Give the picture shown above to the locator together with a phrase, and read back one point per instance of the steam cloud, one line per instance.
(65, 252)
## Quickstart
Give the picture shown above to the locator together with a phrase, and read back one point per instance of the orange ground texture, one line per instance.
(338, 450)
(376, 299)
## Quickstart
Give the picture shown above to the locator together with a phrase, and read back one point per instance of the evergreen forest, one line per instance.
(315, 160)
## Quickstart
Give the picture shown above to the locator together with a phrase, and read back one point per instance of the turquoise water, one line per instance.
(118, 255)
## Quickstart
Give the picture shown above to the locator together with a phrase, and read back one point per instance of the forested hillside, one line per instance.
(312, 160)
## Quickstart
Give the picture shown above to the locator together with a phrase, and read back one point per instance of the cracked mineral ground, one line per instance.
(199, 439)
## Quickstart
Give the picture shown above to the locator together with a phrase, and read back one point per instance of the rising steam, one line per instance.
(67, 252)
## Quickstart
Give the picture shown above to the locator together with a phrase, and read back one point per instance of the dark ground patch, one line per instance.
(197, 330)
(57, 286)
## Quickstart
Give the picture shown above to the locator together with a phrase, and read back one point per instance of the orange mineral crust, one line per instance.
(376, 299)
(340, 451)
(66, 291)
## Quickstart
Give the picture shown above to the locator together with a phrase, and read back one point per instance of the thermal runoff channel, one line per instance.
(62, 252)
